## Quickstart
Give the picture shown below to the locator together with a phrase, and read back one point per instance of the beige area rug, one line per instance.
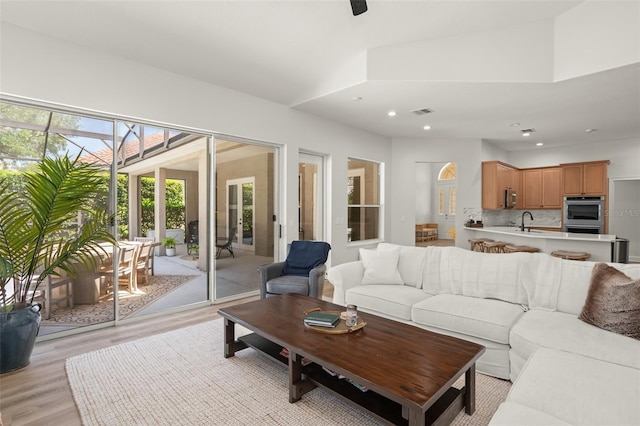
(181, 377)
(129, 304)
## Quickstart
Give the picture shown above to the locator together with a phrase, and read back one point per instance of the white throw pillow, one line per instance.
(381, 267)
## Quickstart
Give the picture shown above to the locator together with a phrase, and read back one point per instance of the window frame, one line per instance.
(380, 201)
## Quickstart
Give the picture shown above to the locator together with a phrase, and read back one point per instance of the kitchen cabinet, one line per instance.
(588, 179)
(541, 188)
(497, 177)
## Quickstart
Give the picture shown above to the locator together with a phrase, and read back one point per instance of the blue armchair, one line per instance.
(302, 272)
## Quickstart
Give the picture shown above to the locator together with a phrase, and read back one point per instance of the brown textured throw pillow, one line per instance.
(613, 302)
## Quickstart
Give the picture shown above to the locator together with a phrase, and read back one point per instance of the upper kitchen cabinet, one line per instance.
(541, 188)
(584, 178)
(500, 185)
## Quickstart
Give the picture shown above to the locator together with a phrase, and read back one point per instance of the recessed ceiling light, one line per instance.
(514, 124)
(527, 132)
(356, 98)
(591, 130)
(539, 144)
(427, 127)
(391, 113)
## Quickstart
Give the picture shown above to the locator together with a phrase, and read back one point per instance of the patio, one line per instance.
(156, 183)
(177, 282)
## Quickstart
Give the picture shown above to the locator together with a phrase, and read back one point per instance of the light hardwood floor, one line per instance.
(39, 394)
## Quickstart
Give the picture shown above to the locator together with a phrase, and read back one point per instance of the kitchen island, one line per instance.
(598, 245)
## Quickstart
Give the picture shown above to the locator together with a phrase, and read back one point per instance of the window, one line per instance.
(452, 200)
(447, 190)
(363, 200)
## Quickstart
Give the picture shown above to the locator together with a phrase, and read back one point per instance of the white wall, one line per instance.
(407, 153)
(596, 36)
(624, 214)
(624, 155)
(424, 185)
(50, 70)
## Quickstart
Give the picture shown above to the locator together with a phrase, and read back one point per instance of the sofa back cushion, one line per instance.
(410, 262)
(562, 285)
(459, 271)
(381, 266)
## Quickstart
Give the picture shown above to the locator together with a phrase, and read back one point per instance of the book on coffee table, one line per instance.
(322, 319)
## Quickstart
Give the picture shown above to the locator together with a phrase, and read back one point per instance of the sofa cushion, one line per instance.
(485, 275)
(613, 302)
(561, 284)
(514, 414)
(410, 262)
(390, 300)
(484, 318)
(565, 332)
(381, 266)
(493, 362)
(578, 390)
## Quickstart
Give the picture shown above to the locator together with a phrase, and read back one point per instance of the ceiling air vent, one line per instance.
(422, 111)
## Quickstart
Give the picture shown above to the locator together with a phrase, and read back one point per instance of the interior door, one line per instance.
(240, 202)
(446, 210)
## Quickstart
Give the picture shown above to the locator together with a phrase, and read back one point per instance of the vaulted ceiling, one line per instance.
(559, 67)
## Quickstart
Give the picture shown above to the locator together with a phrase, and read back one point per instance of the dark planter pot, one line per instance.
(18, 331)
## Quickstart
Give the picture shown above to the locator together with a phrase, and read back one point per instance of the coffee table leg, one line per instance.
(470, 390)
(416, 417)
(297, 385)
(231, 345)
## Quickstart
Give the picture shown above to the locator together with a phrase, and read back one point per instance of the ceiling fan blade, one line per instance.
(358, 7)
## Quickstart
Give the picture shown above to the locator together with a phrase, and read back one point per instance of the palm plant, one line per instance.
(37, 238)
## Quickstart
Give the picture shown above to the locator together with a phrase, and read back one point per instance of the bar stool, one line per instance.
(509, 248)
(477, 244)
(494, 246)
(571, 255)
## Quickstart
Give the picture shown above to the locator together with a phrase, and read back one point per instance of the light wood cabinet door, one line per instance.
(572, 179)
(551, 193)
(496, 177)
(595, 178)
(490, 199)
(541, 188)
(532, 188)
(589, 179)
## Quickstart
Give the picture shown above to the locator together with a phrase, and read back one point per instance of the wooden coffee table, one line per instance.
(409, 372)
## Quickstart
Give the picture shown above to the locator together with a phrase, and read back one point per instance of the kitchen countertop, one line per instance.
(599, 246)
(549, 235)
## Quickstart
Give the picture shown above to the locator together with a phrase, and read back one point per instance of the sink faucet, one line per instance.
(522, 224)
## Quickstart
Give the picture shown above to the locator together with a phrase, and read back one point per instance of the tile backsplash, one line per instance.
(551, 218)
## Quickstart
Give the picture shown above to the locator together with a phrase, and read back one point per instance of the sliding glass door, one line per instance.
(245, 207)
(155, 184)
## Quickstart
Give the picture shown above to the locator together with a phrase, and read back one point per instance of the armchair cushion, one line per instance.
(304, 256)
(288, 284)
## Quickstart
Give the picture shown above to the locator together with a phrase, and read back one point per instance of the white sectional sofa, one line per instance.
(513, 304)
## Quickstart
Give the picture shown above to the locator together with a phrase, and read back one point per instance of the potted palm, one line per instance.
(170, 244)
(40, 236)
